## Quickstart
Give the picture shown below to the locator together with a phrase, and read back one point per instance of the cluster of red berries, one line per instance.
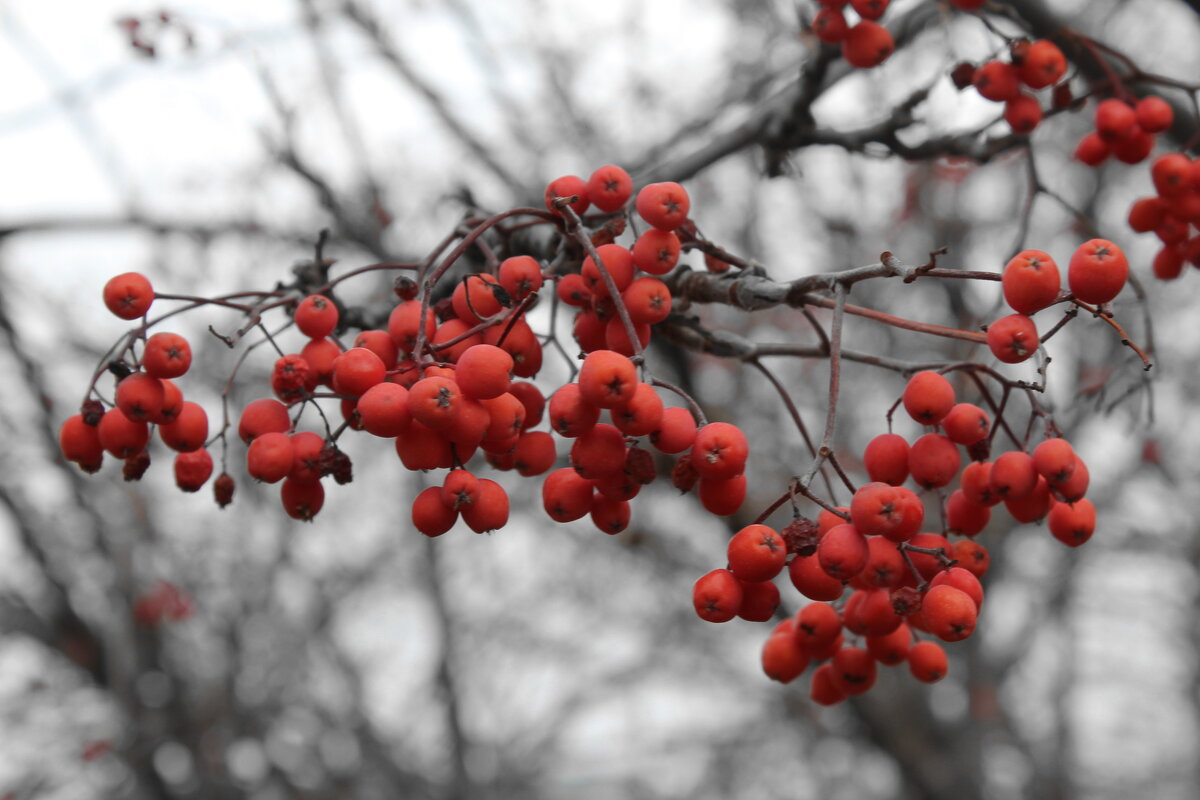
(439, 381)
(903, 582)
(1123, 131)
(866, 43)
(1172, 214)
(1034, 65)
(1096, 274)
(144, 397)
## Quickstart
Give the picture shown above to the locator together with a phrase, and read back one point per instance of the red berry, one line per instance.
(568, 186)
(830, 25)
(1114, 119)
(966, 424)
(609, 188)
(663, 205)
(1073, 523)
(886, 459)
(80, 442)
(140, 397)
(719, 451)
(655, 251)
(357, 370)
(270, 457)
(756, 553)
(263, 416)
(1154, 114)
(520, 276)
(188, 431)
(867, 44)
(607, 379)
(1092, 150)
(933, 461)
(430, 515)
(927, 662)
(949, 612)
(1042, 64)
(998, 81)
(1097, 271)
(1030, 281)
(120, 436)
(193, 469)
(167, 355)
(128, 295)
(1023, 113)
(316, 316)
(717, 596)
(928, 397)
(1013, 339)
(302, 500)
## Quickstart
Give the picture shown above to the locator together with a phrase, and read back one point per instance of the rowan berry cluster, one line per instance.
(903, 583)
(1173, 214)
(450, 376)
(1034, 65)
(1124, 131)
(439, 382)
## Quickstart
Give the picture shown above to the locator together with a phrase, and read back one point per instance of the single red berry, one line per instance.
(263, 416)
(867, 44)
(609, 188)
(1147, 213)
(886, 459)
(568, 186)
(1154, 114)
(1114, 119)
(964, 517)
(1097, 271)
(927, 662)
(188, 431)
(1042, 64)
(843, 552)
(717, 596)
(719, 451)
(167, 355)
(1030, 281)
(998, 81)
(316, 316)
(302, 500)
(566, 495)
(1092, 150)
(949, 612)
(140, 397)
(128, 295)
(120, 436)
(270, 457)
(1023, 113)
(928, 397)
(607, 379)
(1073, 523)
(193, 469)
(830, 25)
(663, 205)
(933, 461)
(756, 553)
(783, 659)
(80, 442)
(966, 424)
(489, 512)
(1013, 339)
